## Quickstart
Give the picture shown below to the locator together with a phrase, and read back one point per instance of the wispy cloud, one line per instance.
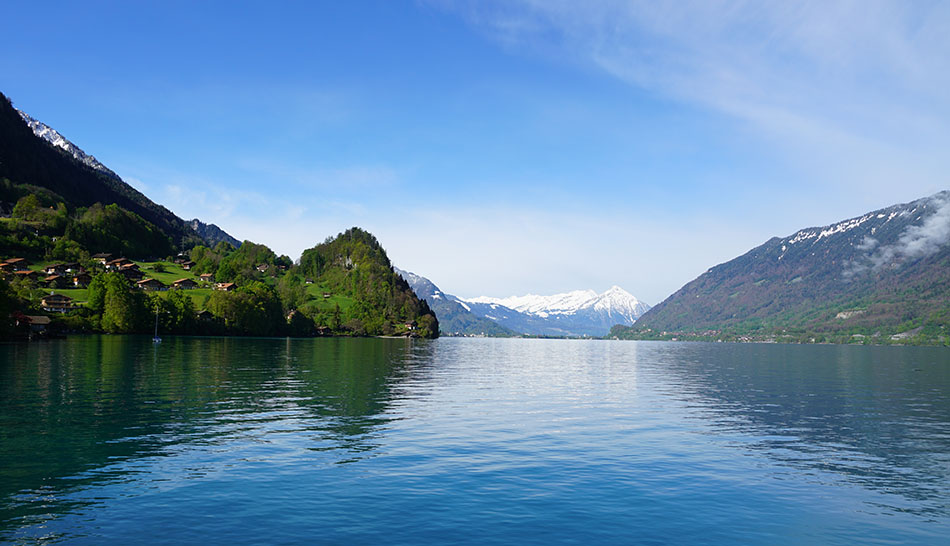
(505, 250)
(855, 90)
(471, 249)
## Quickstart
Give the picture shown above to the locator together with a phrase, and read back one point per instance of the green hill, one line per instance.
(354, 265)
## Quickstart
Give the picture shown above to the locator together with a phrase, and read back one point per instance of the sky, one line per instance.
(502, 148)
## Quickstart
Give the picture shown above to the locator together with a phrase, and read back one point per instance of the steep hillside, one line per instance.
(455, 317)
(37, 156)
(885, 274)
(354, 265)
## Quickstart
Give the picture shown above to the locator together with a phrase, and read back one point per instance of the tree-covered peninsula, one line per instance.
(344, 286)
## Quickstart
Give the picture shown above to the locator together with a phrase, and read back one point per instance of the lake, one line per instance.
(112, 439)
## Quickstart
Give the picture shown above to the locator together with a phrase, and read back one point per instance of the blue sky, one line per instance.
(502, 148)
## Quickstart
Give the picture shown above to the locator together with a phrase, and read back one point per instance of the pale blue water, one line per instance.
(114, 440)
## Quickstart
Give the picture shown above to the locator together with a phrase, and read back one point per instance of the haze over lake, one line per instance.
(230, 440)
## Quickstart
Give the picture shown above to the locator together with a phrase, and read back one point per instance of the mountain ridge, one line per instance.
(34, 153)
(455, 317)
(879, 274)
(55, 138)
(212, 234)
(613, 300)
(572, 314)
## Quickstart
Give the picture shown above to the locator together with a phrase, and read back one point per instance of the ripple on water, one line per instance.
(464, 440)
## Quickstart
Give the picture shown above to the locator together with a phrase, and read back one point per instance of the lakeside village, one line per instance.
(65, 289)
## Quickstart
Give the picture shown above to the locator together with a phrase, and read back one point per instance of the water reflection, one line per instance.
(876, 416)
(519, 440)
(74, 414)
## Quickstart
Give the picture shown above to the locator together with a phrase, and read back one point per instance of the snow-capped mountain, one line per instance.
(577, 313)
(616, 303)
(573, 314)
(209, 233)
(52, 136)
(878, 272)
(455, 317)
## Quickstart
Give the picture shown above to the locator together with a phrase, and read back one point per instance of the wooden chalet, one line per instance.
(205, 316)
(206, 277)
(225, 286)
(151, 285)
(116, 264)
(82, 280)
(263, 268)
(55, 269)
(133, 274)
(57, 303)
(102, 257)
(56, 281)
(27, 274)
(187, 265)
(16, 264)
(184, 284)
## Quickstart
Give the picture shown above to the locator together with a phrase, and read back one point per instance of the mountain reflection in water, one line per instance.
(111, 438)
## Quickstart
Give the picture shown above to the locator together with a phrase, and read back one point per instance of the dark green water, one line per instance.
(114, 439)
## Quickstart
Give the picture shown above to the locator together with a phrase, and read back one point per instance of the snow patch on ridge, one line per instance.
(53, 136)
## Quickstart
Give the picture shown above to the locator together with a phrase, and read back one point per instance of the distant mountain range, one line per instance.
(54, 163)
(884, 275)
(572, 314)
(455, 317)
(577, 313)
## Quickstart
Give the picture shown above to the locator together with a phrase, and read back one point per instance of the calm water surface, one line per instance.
(225, 440)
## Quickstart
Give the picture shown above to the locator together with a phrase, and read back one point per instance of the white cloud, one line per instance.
(502, 251)
(474, 250)
(916, 241)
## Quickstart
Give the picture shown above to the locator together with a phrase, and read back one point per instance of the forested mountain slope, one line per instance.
(36, 156)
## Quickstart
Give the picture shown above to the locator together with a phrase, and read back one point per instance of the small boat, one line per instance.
(155, 338)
